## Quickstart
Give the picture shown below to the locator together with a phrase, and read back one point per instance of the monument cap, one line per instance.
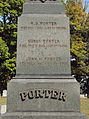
(44, 1)
(43, 7)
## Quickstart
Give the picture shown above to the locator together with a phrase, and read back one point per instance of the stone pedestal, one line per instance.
(43, 86)
(43, 95)
(55, 98)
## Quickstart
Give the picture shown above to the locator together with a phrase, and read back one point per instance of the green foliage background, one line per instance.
(10, 10)
(79, 31)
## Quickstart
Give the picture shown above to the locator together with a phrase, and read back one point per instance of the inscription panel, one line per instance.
(43, 45)
(43, 94)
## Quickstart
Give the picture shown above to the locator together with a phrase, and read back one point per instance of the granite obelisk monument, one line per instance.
(43, 87)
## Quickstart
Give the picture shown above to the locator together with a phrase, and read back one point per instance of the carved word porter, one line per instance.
(43, 93)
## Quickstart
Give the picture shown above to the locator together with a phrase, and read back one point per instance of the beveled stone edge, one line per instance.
(44, 80)
(39, 15)
(65, 114)
(43, 76)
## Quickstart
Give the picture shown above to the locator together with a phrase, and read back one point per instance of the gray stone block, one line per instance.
(43, 7)
(43, 95)
(45, 1)
(43, 45)
(44, 115)
(38, 8)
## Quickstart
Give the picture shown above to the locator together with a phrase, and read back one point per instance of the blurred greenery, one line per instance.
(79, 37)
(10, 10)
(2, 101)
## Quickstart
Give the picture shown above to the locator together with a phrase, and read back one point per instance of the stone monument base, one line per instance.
(43, 97)
(44, 115)
(43, 94)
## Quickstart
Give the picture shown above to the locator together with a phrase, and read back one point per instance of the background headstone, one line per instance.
(4, 93)
(3, 109)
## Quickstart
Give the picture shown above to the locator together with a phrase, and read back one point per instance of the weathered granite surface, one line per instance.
(43, 45)
(43, 95)
(43, 7)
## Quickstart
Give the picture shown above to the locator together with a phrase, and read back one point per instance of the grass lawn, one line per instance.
(2, 102)
(84, 105)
